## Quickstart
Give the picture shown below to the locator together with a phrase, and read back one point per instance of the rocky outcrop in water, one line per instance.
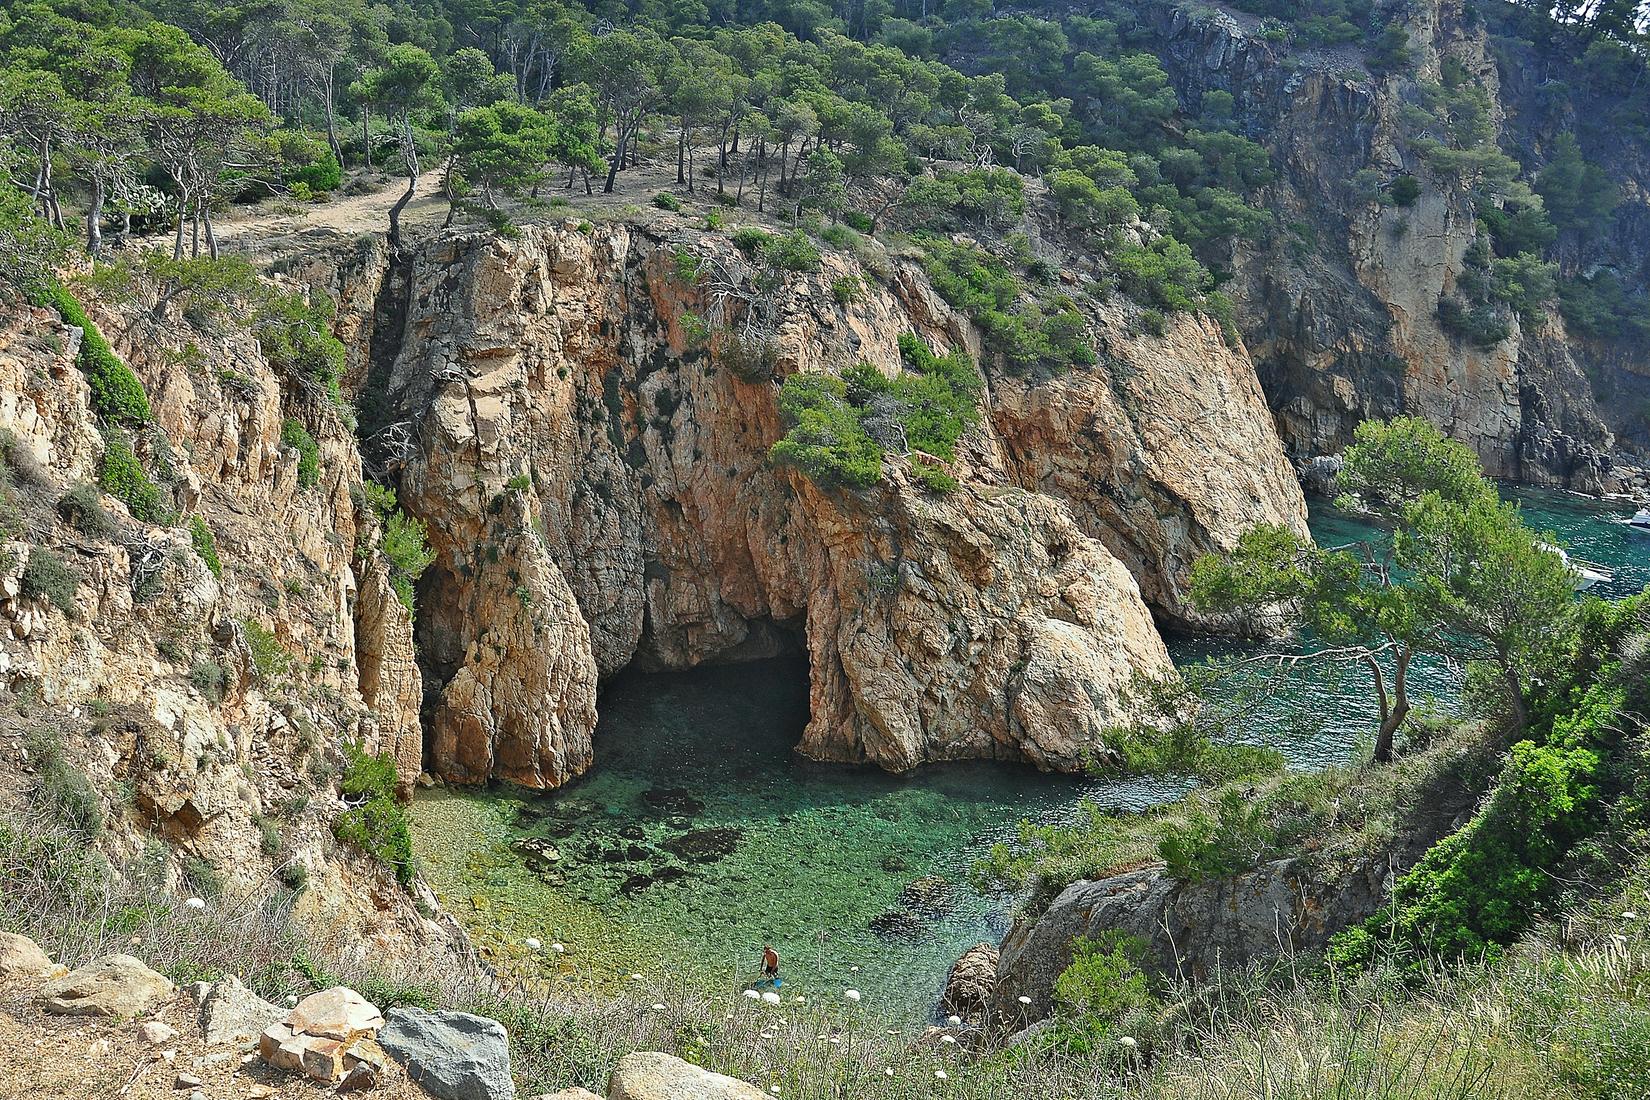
(595, 476)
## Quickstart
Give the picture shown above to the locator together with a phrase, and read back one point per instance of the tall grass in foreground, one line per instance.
(1544, 1023)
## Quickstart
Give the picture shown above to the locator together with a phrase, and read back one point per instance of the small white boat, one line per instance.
(1640, 520)
(1584, 574)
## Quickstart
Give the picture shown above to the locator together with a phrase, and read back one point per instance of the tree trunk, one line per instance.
(409, 153)
(1393, 714)
(211, 237)
(1515, 697)
(94, 218)
(618, 159)
(332, 121)
(366, 134)
(681, 156)
(177, 238)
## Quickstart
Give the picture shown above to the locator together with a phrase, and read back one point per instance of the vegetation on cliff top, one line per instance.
(839, 429)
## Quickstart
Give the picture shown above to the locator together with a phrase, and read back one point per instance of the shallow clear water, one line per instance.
(699, 835)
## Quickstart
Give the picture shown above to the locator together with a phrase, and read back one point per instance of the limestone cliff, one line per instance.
(208, 706)
(1340, 304)
(593, 466)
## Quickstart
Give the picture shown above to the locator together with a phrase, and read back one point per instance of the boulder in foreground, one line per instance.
(654, 1076)
(453, 1055)
(115, 985)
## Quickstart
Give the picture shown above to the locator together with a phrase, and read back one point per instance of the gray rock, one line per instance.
(654, 1076)
(232, 1013)
(453, 1055)
(115, 985)
(1190, 929)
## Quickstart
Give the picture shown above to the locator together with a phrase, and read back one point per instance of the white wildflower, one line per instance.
(635, 977)
(770, 997)
(1629, 915)
(657, 1007)
(940, 1073)
(774, 1089)
(1025, 1000)
(558, 949)
(531, 944)
(196, 904)
(752, 995)
(888, 1070)
(954, 1021)
(851, 994)
(1128, 1041)
(836, 1040)
(950, 1039)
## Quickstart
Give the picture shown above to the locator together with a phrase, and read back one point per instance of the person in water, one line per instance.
(770, 963)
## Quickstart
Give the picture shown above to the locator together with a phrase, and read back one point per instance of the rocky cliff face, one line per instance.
(594, 471)
(1340, 305)
(208, 708)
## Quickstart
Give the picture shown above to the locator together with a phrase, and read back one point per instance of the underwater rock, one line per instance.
(537, 852)
(672, 800)
(929, 895)
(704, 845)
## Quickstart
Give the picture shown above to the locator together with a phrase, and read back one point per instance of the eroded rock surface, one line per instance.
(596, 480)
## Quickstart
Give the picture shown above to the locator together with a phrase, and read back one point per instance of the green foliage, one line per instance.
(824, 434)
(270, 659)
(750, 240)
(1163, 274)
(1603, 307)
(791, 251)
(1216, 839)
(45, 577)
(1404, 190)
(82, 508)
(378, 826)
(847, 289)
(306, 161)
(209, 678)
(1102, 986)
(1480, 888)
(296, 436)
(31, 248)
(206, 547)
(1579, 195)
(122, 475)
(62, 788)
(664, 200)
(406, 542)
(295, 332)
(117, 395)
(830, 421)
(1026, 335)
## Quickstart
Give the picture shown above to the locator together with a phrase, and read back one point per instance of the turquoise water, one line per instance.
(699, 835)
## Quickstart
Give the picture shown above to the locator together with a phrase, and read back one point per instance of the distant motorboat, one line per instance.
(1584, 574)
(1640, 520)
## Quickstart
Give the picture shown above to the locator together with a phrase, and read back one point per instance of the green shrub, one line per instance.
(1103, 983)
(45, 577)
(296, 436)
(82, 508)
(123, 477)
(307, 161)
(827, 418)
(1404, 190)
(407, 540)
(664, 200)
(62, 788)
(200, 537)
(210, 679)
(847, 290)
(270, 659)
(295, 332)
(1234, 837)
(378, 826)
(791, 252)
(1163, 274)
(750, 240)
(117, 395)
